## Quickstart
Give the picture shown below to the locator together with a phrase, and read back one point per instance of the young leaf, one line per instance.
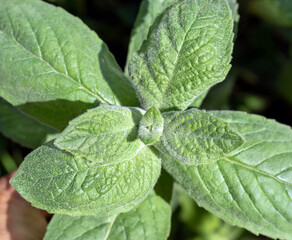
(105, 134)
(54, 180)
(150, 220)
(43, 60)
(21, 128)
(151, 126)
(188, 49)
(251, 188)
(196, 137)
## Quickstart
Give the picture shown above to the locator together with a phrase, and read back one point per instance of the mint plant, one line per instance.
(113, 132)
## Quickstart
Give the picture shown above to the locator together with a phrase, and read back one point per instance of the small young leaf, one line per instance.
(55, 181)
(196, 137)
(21, 128)
(252, 187)
(188, 49)
(150, 220)
(151, 126)
(105, 134)
(49, 55)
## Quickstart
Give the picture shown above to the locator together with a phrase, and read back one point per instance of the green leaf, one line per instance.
(164, 186)
(54, 180)
(148, 11)
(219, 96)
(105, 134)
(151, 126)
(196, 137)
(188, 49)
(199, 100)
(43, 60)
(21, 128)
(235, 16)
(150, 220)
(252, 188)
(278, 12)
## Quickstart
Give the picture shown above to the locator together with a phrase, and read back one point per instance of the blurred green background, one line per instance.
(260, 82)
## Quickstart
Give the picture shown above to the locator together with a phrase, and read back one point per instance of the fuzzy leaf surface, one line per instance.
(46, 55)
(235, 16)
(148, 11)
(151, 126)
(105, 134)
(150, 220)
(188, 49)
(252, 188)
(197, 137)
(56, 181)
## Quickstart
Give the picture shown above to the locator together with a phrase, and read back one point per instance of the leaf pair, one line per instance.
(110, 134)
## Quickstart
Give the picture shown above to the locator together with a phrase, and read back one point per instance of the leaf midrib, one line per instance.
(110, 227)
(179, 54)
(82, 87)
(256, 170)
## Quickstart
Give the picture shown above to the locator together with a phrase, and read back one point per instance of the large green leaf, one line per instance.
(105, 134)
(47, 55)
(251, 188)
(196, 137)
(276, 11)
(188, 49)
(54, 180)
(21, 128)
(150, 220)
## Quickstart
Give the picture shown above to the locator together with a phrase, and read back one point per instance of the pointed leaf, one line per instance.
(151, 126)
(252, 188)
(47, 55)
(54, 180)
(105, 134)
(197, 137)
(150, 220)
(188, 49)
